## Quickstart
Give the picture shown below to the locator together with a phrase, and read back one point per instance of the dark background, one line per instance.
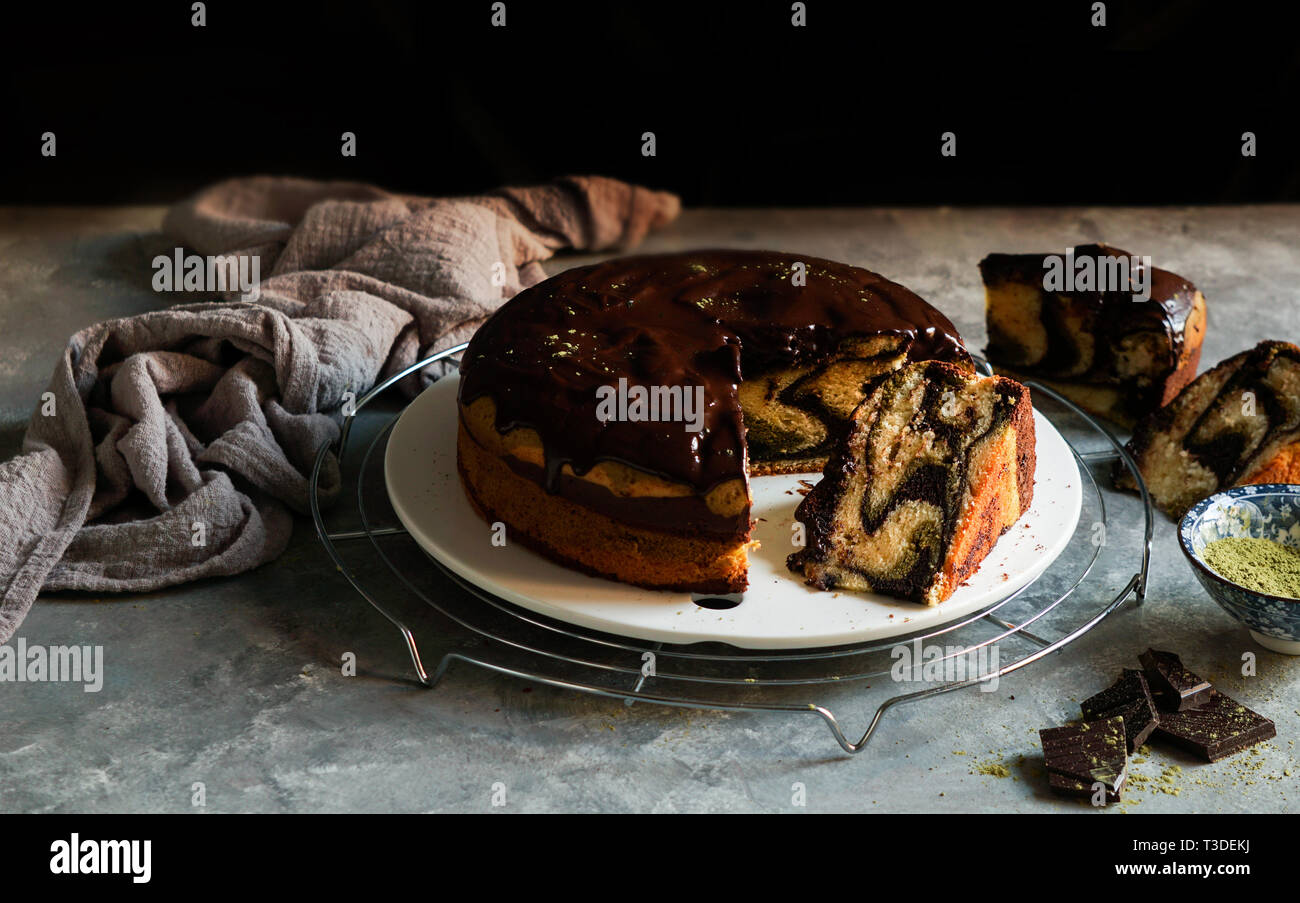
(746, 109)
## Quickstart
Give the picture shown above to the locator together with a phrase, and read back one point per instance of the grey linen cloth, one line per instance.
(173, 445)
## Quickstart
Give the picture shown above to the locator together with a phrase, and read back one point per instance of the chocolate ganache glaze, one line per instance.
(703, 318)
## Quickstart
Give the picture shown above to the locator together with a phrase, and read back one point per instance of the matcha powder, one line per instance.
(1259, 564)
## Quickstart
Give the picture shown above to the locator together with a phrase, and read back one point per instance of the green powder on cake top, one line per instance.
(1261, 565)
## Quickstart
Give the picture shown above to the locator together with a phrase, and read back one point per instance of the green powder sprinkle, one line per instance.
(1261, 565)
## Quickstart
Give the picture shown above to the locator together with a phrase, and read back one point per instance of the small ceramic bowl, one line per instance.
(1262, 511)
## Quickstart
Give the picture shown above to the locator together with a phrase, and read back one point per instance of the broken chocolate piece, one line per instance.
(1175, 688)
(1070, 787)
(1128, 698)
(1086, 753)
(1217, 729)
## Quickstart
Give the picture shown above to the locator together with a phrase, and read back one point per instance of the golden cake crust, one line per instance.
(592, 542)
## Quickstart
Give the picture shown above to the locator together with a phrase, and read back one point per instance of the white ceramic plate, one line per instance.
(778, 611)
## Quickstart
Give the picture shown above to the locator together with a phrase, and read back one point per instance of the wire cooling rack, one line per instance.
(444, 619)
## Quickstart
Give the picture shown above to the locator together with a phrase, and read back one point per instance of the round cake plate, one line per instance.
(778, 611)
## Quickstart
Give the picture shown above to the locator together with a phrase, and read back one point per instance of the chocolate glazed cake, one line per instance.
(937, 465)
(783, 346)
(1111, 352)
(1237, 423)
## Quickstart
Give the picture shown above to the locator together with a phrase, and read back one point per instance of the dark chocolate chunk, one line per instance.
(1128, 698)
(1219, 728)
(1071, 787)
(1175, 688)
(1088, 752)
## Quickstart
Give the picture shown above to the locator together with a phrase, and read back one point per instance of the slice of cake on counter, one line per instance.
(938, 464)
(1119, 353)
(1237, 423)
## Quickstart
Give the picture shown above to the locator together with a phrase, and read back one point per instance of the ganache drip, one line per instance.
(700, 318)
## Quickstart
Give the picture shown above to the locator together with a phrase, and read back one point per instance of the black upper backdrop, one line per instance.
(745, 108)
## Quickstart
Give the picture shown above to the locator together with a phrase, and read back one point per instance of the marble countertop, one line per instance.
(235, 684)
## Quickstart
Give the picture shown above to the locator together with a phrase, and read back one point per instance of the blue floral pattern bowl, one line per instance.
(1262, 511)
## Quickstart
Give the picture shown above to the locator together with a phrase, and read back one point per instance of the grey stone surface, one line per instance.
(236, 683)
